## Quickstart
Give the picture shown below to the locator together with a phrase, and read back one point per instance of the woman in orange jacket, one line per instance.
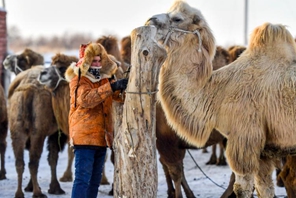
(90, 119)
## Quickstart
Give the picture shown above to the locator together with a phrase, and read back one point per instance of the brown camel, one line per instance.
(31, 120)
(20, 62)
(261, 82)
(3, 131)
(235, 51)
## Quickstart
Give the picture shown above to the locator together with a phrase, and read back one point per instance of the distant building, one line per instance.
(4, 79)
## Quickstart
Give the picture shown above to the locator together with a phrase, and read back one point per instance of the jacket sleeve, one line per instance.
(89, 97)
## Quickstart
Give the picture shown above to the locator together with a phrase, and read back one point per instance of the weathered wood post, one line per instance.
(135, 173)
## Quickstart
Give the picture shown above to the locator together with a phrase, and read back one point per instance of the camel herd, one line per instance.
(239, 98)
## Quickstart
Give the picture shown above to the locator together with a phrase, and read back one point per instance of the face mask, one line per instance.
(95, 72)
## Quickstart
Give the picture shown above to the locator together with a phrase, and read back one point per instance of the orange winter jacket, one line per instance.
(91, 116)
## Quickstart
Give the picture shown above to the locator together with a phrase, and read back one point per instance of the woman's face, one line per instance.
(96, 61)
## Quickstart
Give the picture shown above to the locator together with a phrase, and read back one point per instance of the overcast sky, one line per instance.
(120, 17)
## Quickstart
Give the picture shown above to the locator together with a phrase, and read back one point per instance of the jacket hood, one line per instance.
(109, 66)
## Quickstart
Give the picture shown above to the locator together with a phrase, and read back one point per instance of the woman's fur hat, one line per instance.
(109, 67)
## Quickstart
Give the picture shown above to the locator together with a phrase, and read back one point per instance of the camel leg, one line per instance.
(18, 145)
(204, 150)
(175, 172)
(104, 180)
(187, 190)
(213, 158)
(53, 155)
(3, 144)
(221, 161)
(68, 175)
(35, 151)
(243, 186)
(112, 160)
(228, 193)
(171, 189)
(263, 179)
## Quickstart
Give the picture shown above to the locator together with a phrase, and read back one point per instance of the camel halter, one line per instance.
(61, 78)
(173, 29)
(16, 67)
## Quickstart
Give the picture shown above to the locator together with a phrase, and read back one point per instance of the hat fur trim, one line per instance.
(109, 66)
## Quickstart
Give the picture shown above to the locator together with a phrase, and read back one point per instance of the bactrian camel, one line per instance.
(251, 101)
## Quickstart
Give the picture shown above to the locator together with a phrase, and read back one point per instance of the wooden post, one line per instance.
(135, 173)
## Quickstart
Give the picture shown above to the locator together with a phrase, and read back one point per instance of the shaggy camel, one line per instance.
(170, 147)
(29, 101)
(27, 59)
(31, 120)
(261, 81)
(3, 131)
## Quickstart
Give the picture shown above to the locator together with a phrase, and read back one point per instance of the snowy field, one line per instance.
(199, 183)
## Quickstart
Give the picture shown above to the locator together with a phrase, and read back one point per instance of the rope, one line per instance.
(204, 172)
(149, 92)
(173, 29)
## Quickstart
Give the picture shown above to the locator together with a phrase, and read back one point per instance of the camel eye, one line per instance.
(177, 19)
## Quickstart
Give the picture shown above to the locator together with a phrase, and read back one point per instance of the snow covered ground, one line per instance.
(199, 183)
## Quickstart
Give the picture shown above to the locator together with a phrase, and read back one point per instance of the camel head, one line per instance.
(221, 58)
(110, 43)
(126, 49)
(235, 51)
(52, 76)
(182, 19)
(23, 61)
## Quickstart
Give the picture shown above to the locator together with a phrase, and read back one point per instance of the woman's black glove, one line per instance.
(119, 85)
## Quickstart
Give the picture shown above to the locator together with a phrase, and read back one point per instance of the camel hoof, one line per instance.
(111, 192)
(19, 195)
(39, 196)
(29, 188)
(212, 161)
(56, 191)
(2, 176)
(221, 163)
(66, 179)
(280, 183)
(104, 182)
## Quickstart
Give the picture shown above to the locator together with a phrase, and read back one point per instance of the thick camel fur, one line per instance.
(3, 131)
(170, 146)
(251, 101)
(31, 120)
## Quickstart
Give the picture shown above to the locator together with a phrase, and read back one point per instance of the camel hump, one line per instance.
(273, 38)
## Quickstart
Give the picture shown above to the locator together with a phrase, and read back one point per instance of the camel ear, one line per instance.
(28, 60)
(196, 19)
